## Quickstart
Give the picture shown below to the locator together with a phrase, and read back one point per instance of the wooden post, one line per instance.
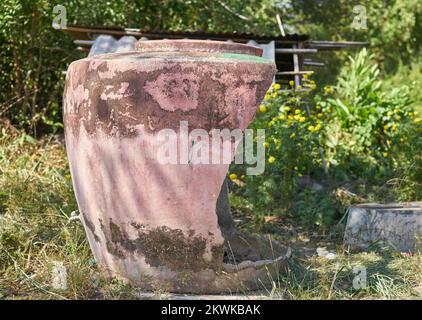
(296, 66)
(297, 63)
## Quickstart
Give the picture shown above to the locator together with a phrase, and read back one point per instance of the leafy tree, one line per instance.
(393, 27)
(34, 55)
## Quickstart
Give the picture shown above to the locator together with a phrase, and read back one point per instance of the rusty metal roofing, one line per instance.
(89, 33)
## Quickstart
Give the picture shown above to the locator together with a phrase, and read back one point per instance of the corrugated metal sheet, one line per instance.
(115, 39)
(89, 33)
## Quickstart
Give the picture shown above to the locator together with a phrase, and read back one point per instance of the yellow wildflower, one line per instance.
(311, 128)
(320, 115)
(417, 120)
(292, 135)
(302, 119)
(291, 83)
(276, 86)
(390, 113)
(328, 90)
(267, 97)
(266, 144)
(318, 127)
(290, 117)
(297, 111)
(271, 159)
(233, 176)
(299, 87)
(262, 108)
(385, 154)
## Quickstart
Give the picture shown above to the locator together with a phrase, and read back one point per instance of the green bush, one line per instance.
(367, 121)
(292, 133)
(354, 130)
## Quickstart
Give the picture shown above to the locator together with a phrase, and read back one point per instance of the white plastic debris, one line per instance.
(323, 252)
(59, 276)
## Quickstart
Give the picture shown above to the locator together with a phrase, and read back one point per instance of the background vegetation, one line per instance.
(34, 55)
(355, 136)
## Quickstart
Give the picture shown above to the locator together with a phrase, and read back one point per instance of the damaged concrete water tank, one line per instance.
(150, 215)
(397, 225)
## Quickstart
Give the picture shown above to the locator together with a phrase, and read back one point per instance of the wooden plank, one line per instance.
(332, 45)
(313, 63)
(292, 73)
(295, 50)
(339, 43)
(328, 48)
(85, 43)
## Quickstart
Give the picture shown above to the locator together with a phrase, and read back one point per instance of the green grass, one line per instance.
(37, 232)
(389, 276)
(36, 202)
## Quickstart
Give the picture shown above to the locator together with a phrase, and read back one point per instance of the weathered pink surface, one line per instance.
(148, 222)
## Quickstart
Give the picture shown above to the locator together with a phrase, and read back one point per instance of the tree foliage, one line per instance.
(34, 55)
(393, 27)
